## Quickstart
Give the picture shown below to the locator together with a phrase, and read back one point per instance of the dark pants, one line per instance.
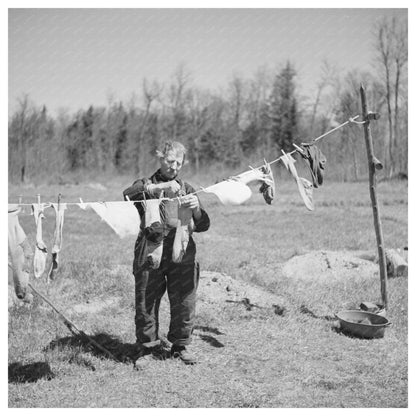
(181, 282)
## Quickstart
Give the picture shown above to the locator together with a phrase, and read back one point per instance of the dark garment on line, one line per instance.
(179, 279)
(316, 161)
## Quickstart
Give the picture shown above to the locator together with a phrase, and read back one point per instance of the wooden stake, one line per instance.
(372, 166)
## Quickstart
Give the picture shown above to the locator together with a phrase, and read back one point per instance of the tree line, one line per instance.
(250, 119)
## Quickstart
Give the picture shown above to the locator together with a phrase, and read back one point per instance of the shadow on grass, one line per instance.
(122, 351)
(211, 341)
(29, 373)
(209, 338)
(348, 334)
(204, 328)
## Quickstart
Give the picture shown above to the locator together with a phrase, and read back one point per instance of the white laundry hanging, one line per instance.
(122, 216)
(230, 192)
(305, 187)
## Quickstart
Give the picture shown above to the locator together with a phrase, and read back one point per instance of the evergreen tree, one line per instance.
(283, 110)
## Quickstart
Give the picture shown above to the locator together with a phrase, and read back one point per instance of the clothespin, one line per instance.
(299, 149)
(38, 197)
(19, 204)
(128, 199)
(285, 159)
(59, 200)
(266, 167)
(82, 205)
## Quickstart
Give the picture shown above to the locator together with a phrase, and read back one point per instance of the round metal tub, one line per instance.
(362, 324)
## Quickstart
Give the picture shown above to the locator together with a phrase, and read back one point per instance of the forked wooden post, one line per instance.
(374, 164)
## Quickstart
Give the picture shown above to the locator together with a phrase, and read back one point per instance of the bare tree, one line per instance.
(391, 53)
(327, 78)
(199, 118)
(151, 93)
(177, 94)
(22, 135)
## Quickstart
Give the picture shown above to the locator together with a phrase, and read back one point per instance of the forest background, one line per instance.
(251, 118)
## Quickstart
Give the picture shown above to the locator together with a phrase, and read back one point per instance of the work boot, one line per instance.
(180, 351)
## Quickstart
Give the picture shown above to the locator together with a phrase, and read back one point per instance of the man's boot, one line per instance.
(180, 351)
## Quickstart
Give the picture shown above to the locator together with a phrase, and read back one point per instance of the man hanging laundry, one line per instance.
(178, 272)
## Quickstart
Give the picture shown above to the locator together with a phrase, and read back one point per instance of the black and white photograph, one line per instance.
(207, 206)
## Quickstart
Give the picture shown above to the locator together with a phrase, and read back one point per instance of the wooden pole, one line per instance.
(374, 164)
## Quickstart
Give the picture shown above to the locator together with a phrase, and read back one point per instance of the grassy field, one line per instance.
(248, 358)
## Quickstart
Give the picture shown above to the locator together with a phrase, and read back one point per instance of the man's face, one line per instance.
(171, 164)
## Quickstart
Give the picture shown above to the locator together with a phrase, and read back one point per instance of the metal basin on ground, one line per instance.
(362, 324)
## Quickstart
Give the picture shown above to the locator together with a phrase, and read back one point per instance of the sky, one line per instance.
(73, 58)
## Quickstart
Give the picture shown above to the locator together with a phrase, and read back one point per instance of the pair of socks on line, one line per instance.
(154, 233)
(41, 251)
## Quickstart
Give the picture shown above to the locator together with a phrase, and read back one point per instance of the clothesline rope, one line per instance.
(350, 120)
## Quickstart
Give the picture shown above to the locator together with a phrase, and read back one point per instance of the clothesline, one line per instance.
(350, 120)
(86, 203)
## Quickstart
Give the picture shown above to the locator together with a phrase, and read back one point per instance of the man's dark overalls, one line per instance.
(180, 279)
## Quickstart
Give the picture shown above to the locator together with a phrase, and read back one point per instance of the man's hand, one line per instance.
(171, 186)
(192, 202)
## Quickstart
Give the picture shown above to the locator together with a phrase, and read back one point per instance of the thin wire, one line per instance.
(94, 202)
(350, 120)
